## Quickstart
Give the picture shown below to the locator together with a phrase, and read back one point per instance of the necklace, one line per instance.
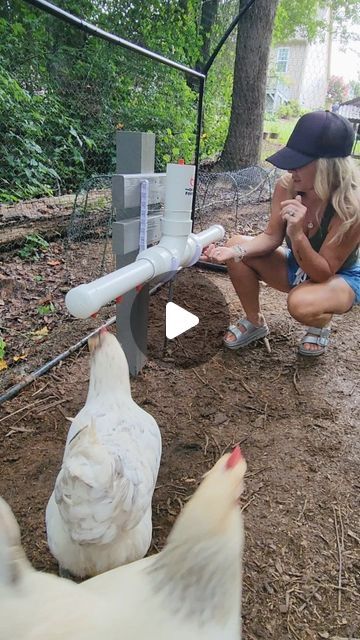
(310, 225)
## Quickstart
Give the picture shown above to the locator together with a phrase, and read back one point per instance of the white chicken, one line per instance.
(99, 514)
(192, 589)
(40, 606)
(189, 591)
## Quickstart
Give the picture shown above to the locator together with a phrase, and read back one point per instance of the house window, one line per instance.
(282, 60)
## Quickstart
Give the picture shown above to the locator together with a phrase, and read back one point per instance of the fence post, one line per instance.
(135, 153)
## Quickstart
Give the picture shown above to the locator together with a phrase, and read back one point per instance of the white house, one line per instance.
(300, 71)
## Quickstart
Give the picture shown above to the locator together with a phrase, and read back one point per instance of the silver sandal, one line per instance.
(243, 339)
(315, 335)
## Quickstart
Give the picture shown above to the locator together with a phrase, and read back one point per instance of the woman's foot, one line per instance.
(314, 342)
(244, 332)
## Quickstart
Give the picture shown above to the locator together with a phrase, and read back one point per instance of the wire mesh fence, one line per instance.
(64, 94)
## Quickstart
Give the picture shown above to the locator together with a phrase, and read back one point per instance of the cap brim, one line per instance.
(287, 158)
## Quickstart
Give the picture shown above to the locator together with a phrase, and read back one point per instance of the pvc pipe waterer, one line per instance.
(178, 247)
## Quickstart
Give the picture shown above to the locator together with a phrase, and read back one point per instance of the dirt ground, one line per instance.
(297, 421)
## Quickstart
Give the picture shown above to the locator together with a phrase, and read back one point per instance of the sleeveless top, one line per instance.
(318, 238)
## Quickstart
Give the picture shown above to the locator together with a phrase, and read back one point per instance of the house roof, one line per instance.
(350, 109)
(355, 101)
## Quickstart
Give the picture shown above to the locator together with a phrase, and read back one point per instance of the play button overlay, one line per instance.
(178, 320)
(186, 322)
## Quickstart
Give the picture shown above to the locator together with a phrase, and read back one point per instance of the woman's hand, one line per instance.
(293, 212)
(218, 255)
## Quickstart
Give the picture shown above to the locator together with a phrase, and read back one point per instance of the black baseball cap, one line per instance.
(319, 134)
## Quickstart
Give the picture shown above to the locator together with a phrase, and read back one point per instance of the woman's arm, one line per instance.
(315, 265)
(323, 265)
(265, 242)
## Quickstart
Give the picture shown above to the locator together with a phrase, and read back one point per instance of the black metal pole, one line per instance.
(48, 7)
(197, 142)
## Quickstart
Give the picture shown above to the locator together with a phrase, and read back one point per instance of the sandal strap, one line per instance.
(246, 323)
(317, 335)
(235, 331)
(249, 326)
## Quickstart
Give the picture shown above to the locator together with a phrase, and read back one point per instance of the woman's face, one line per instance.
(304, 178)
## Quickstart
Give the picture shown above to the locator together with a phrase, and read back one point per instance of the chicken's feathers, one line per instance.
(107, 479)
(12, 557)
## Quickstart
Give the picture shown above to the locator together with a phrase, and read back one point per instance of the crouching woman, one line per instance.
(316, 210)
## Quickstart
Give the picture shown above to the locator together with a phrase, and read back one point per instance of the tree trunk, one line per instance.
(209, 11)
(243, 142)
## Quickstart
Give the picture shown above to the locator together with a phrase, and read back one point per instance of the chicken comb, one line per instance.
(234, 458)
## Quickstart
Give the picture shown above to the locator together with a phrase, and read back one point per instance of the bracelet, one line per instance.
(240, 252)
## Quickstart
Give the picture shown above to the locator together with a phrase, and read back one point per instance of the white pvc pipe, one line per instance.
(177, 247)
(179, 187)
(85, 300)
(176, 223)
(201, 240)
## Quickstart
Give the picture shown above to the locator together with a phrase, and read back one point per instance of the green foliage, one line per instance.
(218, 103)
(312, 18)
(63, 94)
(46, 309)
(337, 90)
(297, 17)
(280, 126)
(33, 247)
(354, 89)
(291, 109)
(2, 348)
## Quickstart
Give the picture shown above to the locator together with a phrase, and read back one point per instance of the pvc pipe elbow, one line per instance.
(160, 258)
(197, 241)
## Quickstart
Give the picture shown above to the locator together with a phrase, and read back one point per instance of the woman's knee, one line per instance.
(308, 300)
(300, 304)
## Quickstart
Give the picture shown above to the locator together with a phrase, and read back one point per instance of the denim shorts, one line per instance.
(351, 275)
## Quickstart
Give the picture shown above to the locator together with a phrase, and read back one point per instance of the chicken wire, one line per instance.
(93, 214)
(91, 222)
(232, 191)
(77, 221)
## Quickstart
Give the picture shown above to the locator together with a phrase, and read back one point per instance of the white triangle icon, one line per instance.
(178, 320)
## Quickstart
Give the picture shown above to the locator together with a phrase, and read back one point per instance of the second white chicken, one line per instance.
(191, 590)
(99, 514)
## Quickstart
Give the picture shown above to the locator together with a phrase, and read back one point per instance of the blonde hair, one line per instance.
(337, 180)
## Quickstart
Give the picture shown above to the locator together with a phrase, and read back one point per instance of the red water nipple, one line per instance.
(118, 299)
(181, 161)
(139, 287)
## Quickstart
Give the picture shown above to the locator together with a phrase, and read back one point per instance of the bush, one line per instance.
(291, 109)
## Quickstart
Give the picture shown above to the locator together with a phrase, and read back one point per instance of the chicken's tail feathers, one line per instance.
(12, 556)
